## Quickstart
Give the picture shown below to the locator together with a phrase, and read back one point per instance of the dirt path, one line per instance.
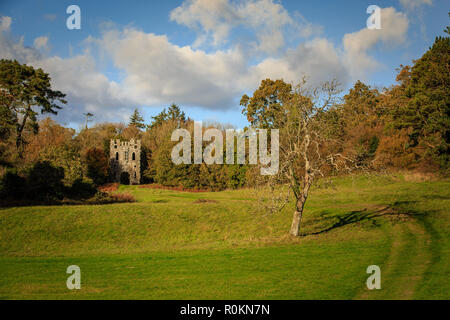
(409, 258)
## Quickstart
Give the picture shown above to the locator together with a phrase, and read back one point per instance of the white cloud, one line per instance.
(217, 18)
(157, 72)
(317, 59)
(5, 23)
(211, 16)
(357, 45)
(161, 72)
(12, 49)
(414, 4)
(414, 7)
(87, 88)
(40, 42)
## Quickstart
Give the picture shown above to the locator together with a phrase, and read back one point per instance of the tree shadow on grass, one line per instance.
(359, 216)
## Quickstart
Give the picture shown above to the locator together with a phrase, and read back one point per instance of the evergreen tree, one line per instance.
(7, 117)
(25, 88)
(174, 113)
(427, 113)
(137, 120)
(158, 119)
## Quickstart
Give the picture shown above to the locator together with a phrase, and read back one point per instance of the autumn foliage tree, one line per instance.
(361, 120)
(97, 165)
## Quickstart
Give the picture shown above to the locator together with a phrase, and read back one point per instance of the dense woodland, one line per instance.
(402, 127)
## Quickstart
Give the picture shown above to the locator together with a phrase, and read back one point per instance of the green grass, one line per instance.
(168, 246)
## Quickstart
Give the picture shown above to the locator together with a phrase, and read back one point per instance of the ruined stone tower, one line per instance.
(125, 161)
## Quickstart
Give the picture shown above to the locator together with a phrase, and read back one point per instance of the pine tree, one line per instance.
(174, 113)
(25, 89)
(137, 120)
(159, 119)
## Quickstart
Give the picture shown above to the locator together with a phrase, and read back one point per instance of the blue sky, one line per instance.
(204, 54)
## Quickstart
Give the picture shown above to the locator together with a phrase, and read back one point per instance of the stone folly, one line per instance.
(125, 161)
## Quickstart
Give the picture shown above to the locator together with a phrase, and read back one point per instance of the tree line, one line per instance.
(323, 131)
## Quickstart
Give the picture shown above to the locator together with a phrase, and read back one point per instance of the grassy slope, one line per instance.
(168, 246)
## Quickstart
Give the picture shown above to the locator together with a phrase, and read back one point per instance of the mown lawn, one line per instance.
(170, 245)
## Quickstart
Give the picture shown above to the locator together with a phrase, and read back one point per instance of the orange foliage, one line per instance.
(394, 152)
(50, 134)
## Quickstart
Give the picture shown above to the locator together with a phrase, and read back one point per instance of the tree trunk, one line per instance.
(296, 220)
(19, 141)
(295, 227)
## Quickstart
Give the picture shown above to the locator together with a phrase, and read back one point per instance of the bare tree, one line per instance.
(310, 141)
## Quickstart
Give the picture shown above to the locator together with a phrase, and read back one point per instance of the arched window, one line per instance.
(133, 157)
(117, 156)
(135, 174)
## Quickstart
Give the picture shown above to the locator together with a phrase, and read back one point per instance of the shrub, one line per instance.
(82, 189)
(237, 176)
(12, 185)
(122, 197)
(45, 182)
(105, 197)
(101, 196)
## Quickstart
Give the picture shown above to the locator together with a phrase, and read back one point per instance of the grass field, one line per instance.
(170, 245)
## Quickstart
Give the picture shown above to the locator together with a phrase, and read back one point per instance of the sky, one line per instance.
(205, 54)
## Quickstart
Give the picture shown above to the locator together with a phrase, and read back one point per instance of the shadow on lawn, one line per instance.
(358, 216)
